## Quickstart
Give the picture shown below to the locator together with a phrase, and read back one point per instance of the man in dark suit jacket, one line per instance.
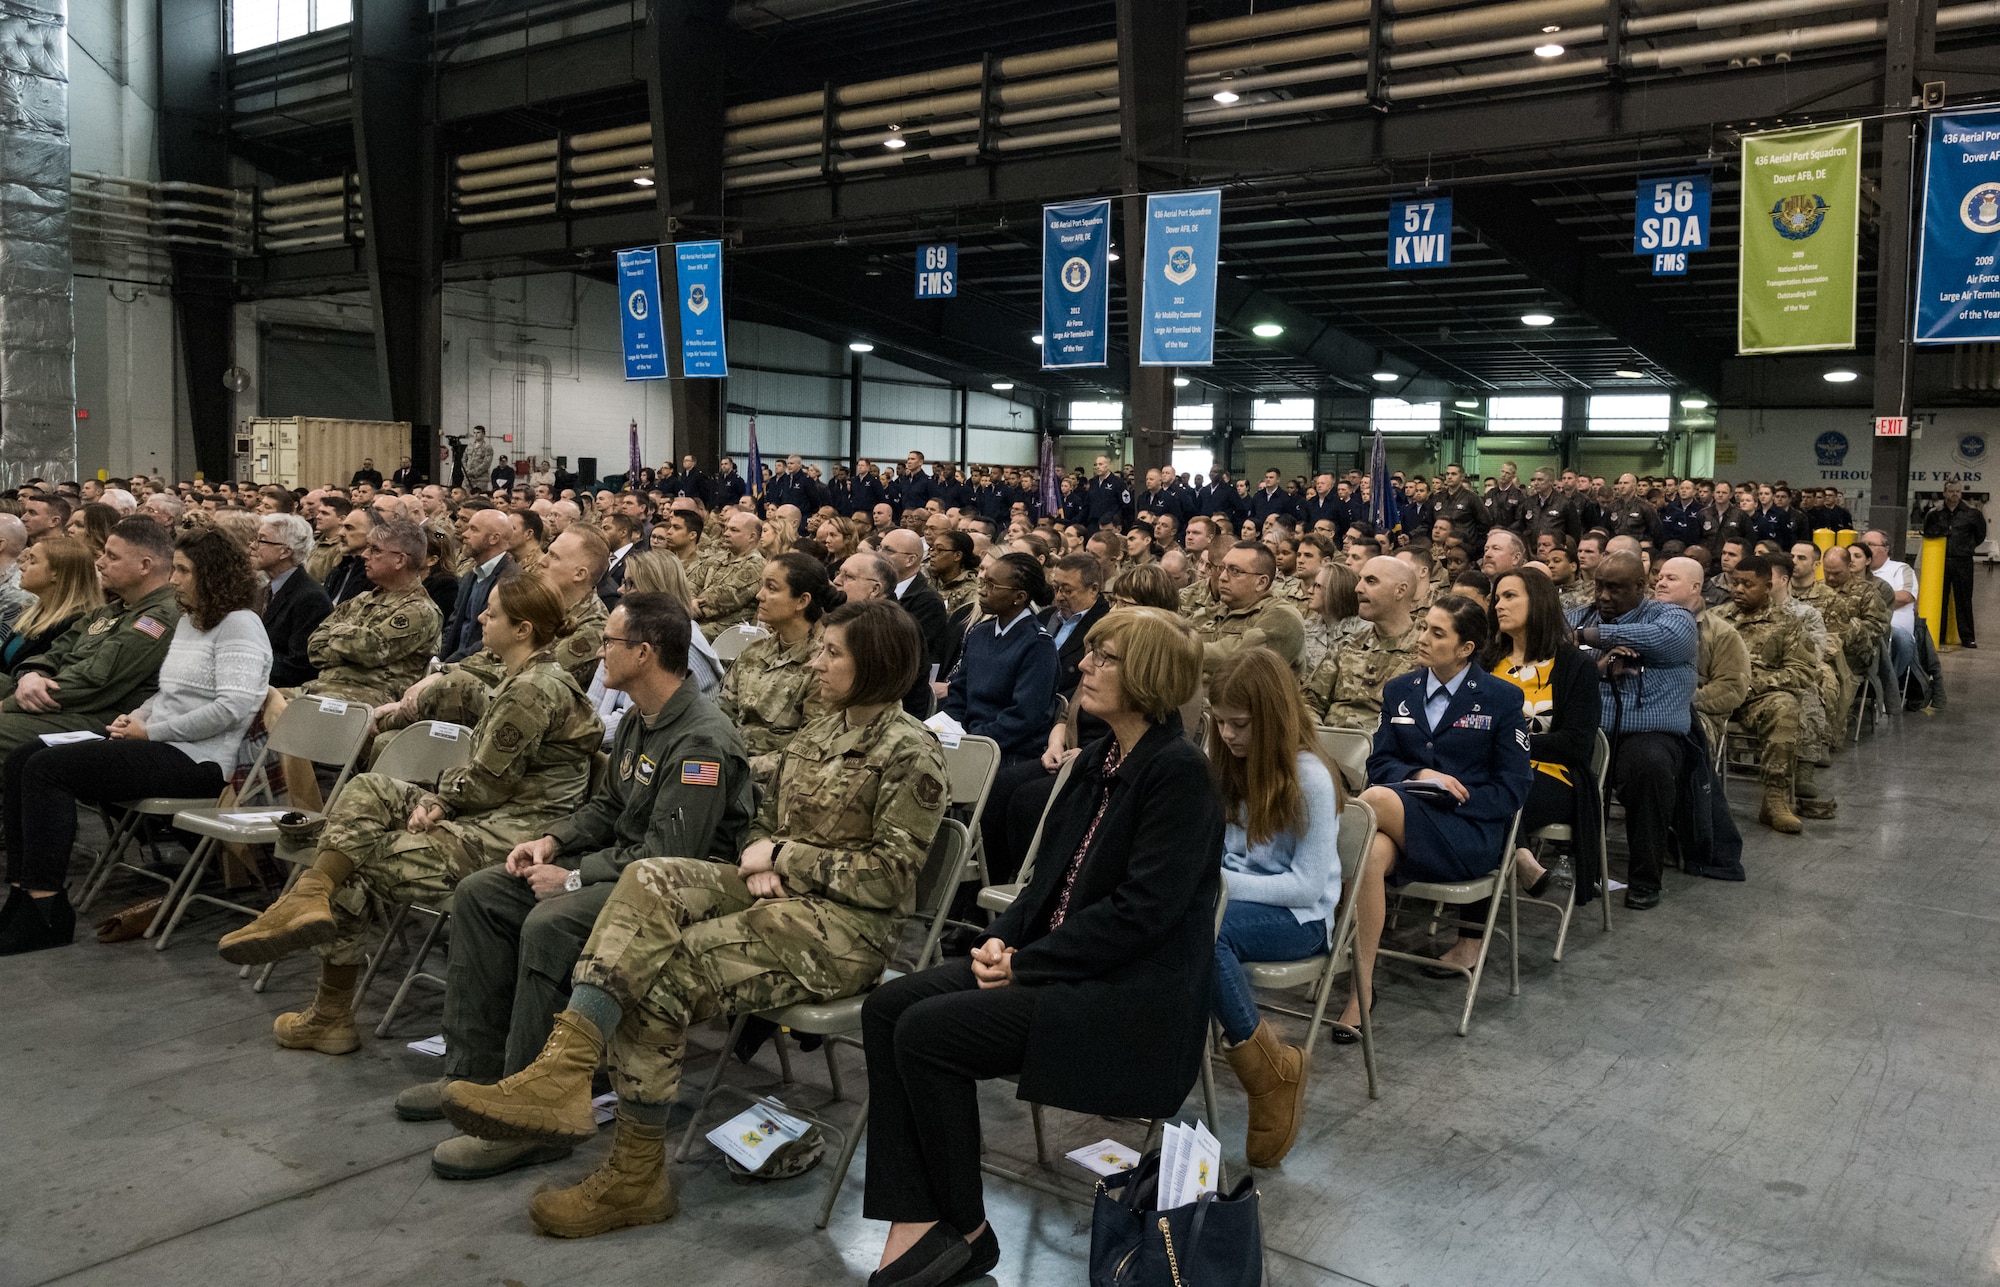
(621, 533)
(297, 604)
(1077, 581)
(904, 551)
(487, 537)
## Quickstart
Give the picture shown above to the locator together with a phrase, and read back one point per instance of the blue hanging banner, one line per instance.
(698, 265)
(1076, 248)
(1420, 233)
(1671, 219)
(937, 271)
(1958, 285)
(639, 313)
(1183, 236)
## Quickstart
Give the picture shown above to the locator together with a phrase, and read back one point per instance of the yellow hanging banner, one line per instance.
(1798, 262)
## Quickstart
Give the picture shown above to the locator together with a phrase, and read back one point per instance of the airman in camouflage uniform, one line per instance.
(373, 647)
(728, 591)
(1580, 593)
(462, 689)
(1783, 670)
(1198, 602)
(958, 592)
(1722, 673)
(1346, 690)
(529, 766)
(326, 552)
(1269, 623)
(769, 694)
(1864, 618)
(682, 940)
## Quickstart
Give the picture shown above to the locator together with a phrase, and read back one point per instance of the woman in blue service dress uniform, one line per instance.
(1449, 723)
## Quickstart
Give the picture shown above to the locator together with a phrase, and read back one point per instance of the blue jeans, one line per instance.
(1256, 932)
(1902, 653)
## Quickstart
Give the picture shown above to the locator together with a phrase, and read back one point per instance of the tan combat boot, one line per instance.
(549, 1100)
(1811, 803)
(630, 1187)
(1777, 811)
(327, 1025)
(1274, 1076)
(302, 918)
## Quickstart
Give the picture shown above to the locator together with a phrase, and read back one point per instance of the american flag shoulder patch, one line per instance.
(706, 773)
(149, 627)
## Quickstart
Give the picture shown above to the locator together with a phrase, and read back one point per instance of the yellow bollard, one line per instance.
(1822, 537)
(1845, 536)
(1930, 589)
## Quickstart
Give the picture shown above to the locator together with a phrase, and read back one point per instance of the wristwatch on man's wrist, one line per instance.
(573, 883)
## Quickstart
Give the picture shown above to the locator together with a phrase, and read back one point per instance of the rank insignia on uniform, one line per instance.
(706, 773)
(99, 626)
(149, 627)
(1473, 721)
(646, 770)
(625, 766)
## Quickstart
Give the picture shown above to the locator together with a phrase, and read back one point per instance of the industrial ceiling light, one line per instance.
(1181, 382)
(860, 346)
(1695, 404)
(1226, 96)
(896, 141)
(1551, 30)
(1468, 403)
(1550, 50)
(643, 181)
(1273, 400)
(1536, 319)
(1622, 374)
(1002, 386)
(1387, 377)
(1267, 330)
(1111, 256)
(1037, 339)
(1840, 376)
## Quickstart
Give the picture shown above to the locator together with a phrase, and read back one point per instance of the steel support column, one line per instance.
(402, 208)
(194, 149)
(1912, 24)
(685, 64)
(1152, 81)
(854, 372)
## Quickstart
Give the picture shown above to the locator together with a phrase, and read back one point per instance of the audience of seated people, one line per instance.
(707, 872)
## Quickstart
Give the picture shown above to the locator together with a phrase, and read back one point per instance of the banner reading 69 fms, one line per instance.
(1801, 234)
(1076, 243)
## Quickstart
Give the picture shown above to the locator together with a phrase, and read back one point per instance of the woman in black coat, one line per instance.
(1094, 986)
(1532, 651)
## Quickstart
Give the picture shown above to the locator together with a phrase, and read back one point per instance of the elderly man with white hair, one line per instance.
(163, 508)
(297, 603)
(121, 500)
(13, 599)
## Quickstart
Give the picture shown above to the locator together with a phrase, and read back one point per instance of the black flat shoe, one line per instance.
(985, 1256)
(1642, 900)
(933, 1262)
(1342, 1035)
(40, 924)
(1440, 972)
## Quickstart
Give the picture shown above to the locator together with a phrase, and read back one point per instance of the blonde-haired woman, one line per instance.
(655, 572)
(61, 573)
(1281, 865)
(779, 537)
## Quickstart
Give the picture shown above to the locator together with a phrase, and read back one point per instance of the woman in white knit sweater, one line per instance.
(181, 741)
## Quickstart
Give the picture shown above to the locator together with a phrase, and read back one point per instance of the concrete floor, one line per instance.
(1792, 1080)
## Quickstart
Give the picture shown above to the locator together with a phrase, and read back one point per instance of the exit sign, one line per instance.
(1892, 426)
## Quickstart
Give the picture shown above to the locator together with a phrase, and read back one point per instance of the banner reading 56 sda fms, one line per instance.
(1076, 244)
(639, 313)
(1183, 230)
(1958, 284)
(698, 268)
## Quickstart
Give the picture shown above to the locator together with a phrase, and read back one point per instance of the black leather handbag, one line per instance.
(1214, 1241)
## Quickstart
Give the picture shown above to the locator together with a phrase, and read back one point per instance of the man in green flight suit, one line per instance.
(109, 661)
(678, 783)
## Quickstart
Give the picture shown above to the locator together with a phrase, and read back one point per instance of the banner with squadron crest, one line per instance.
(1076, 249)
(1183, 232)
(1798, 259)
(1958, 282)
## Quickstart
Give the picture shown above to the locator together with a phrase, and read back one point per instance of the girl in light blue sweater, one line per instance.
(1281, 867)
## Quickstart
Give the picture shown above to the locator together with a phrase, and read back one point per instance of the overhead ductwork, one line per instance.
(37, 327)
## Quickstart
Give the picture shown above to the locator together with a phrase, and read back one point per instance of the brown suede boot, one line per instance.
(1777, 811)
(548, 1100)
(1274, 1076)
(630, 1187)
(327, 1025)
(302, 918)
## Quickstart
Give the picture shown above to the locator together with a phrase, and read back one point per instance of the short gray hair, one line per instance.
(291, 531)
(403, 537)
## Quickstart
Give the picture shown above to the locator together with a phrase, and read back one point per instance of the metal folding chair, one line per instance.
(729, 645)
(838, 1022)
(1498, 885)
(998, 898)
(324, 731)
(1563, 833)
(1357, 837)
(971, 765)
(1349, 748)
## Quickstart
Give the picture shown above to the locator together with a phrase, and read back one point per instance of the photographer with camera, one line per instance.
(1645, 653)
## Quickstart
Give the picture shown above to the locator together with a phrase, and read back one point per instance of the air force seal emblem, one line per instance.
(638, 306)
(1075, 274)
(697, 299)
(1798, 216)
(1180, 269)
(1980, 211)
